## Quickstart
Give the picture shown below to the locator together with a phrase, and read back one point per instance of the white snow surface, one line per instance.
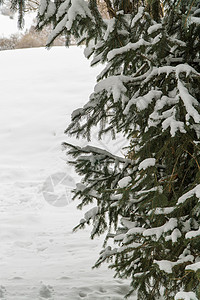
(40, 257)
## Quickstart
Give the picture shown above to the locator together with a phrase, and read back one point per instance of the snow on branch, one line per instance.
(142, 102)
(58, 29)
(77, 8)
(194, 192)
(146, 163)
(185, 296)
(138, 16)
(189, 102)
(181, 68)
(124, 181)
(113, 85)
(171, 122)
(42, 6)
(161, 211)
(166, 265)
(69, 12)
(128, 47)
(90, 214)
(154, 28)
(105, 254)
(62, 9)
(193, 267)
(192, 234)
(95, 152)
(158, 231)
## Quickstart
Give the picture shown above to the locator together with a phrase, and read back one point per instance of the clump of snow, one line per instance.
(110, 27)
(146, 163)
(194, 267)
(119, 237)
(161, 210)
(62, 9)
(143, 102)
(195, 20)
(188, 100)
(78, 7)
(128, 47)
(192, 234)
(174, 235)
(51, 9)
(128, 224)
(154, 28)
(171, 122)
(185, 296)
(158, 231)
(135, 230)
(91, 213)
(68, 12)
(42, 7)
(138, 16)
(124, 181)
(113, 85)
(59, 27)
(168, 119)
(194, 192)
(166, 265)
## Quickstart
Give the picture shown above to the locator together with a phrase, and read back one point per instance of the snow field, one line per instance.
(40, 257)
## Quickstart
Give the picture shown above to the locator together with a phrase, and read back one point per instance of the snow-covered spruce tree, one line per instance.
(147, 201)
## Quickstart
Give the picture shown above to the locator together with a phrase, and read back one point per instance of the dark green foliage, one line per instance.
(149, 91)
(158, 110)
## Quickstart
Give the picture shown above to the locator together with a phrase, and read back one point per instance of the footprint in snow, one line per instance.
(16, 278)
(46, 292)
(102, 290)
(41, 248)
(2, 292)
(64, 278)
(82, 294)
(21, 244)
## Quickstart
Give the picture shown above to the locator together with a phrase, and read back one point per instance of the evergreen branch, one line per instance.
(185, 275)
(111, 11)
(96, 150)
(189, 10)
(193, 158)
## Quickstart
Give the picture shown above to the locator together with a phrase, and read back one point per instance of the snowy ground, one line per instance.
(40, 257)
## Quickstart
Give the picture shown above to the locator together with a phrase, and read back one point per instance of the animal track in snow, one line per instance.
(2, 292)
(46, 291)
